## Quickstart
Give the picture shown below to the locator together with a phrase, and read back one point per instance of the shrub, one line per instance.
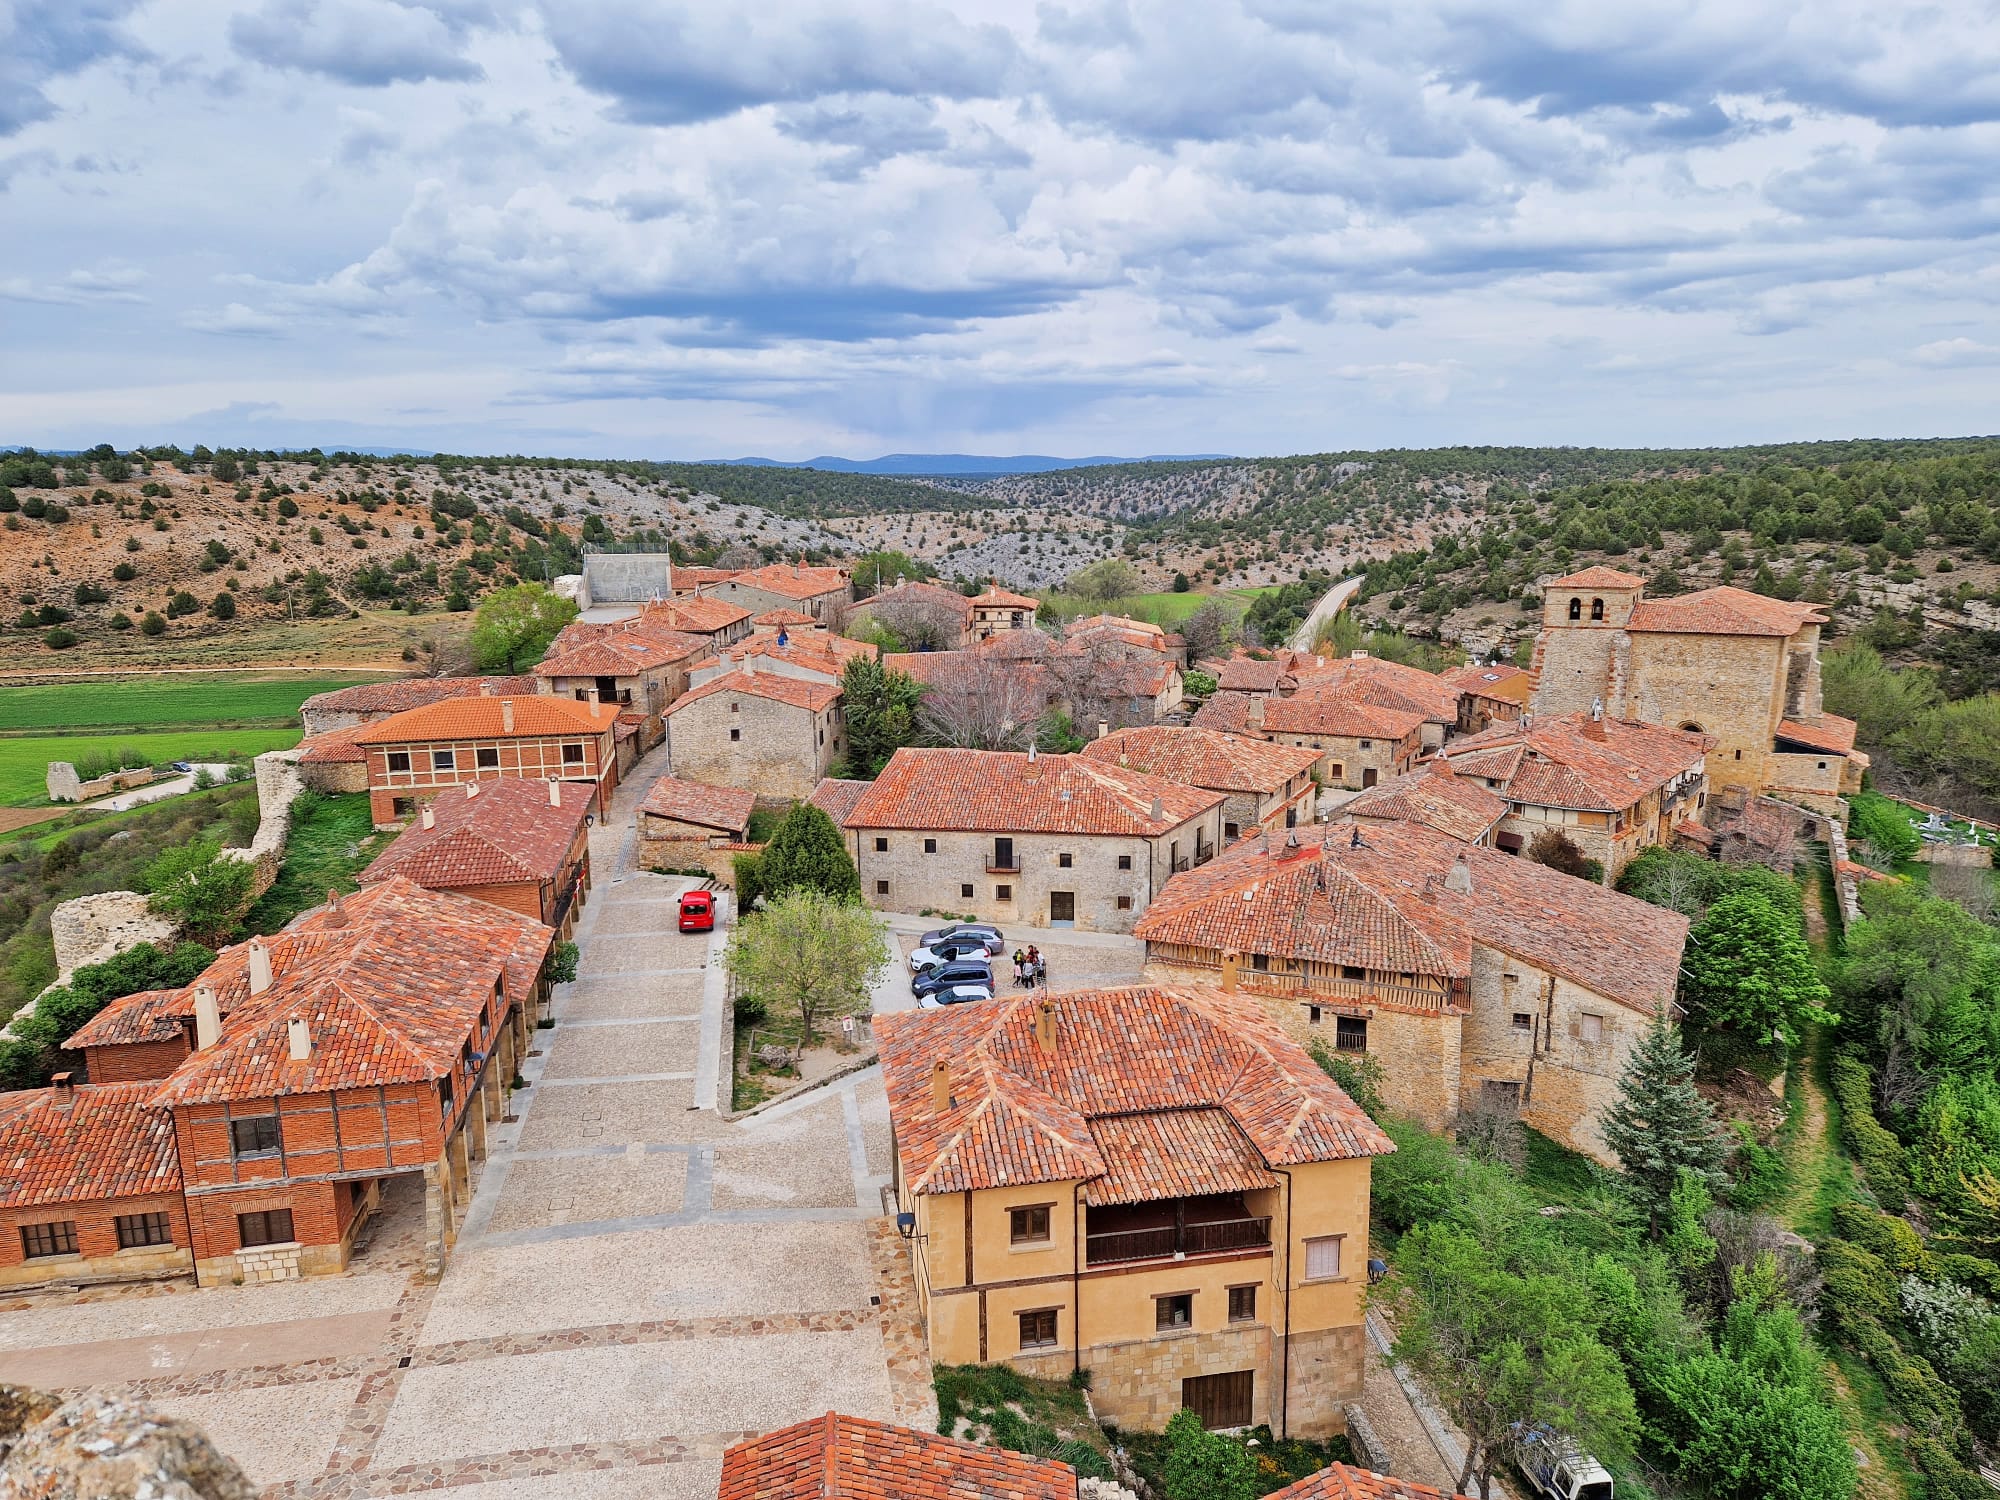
(120, 621)
(1857, 1286)
(152, 624)
(1882, 822)
(562, 963)
(1878, 1151)
(1898, 1246)
(1204, 1465)
(59, 639)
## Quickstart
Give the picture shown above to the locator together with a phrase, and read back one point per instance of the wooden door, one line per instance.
(1062, 906)
(1220, 1400)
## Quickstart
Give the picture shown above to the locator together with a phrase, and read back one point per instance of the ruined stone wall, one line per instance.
(91, 929)
(66, 786)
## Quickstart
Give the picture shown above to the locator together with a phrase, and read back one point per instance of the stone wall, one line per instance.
(66, 786)
(782, 751)
(1138, 1384)
(96, 1447)
(91, 929)
(625, 578)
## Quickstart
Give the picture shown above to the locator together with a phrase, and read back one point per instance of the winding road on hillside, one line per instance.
(1331, 603)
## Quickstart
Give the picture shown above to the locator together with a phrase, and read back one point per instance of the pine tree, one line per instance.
(1661, 1125)
(807, 850)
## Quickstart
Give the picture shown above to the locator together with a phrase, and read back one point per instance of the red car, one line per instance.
(697, 911)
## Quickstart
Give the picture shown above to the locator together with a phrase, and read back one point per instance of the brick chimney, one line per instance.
(260, 966)
(429, 817)
(1045, 1027)
(1232, 966)
(336, 914)
(940, 1086)
(506, 715)
(298, 1039)
(207, 1019)
(1441, 765)
(555, 793)
(1159, 807)
(65, 1086)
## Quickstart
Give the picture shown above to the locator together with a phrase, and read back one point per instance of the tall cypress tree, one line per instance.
(808, 850)
(1660, 1124)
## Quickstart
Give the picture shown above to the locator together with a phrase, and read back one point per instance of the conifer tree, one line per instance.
(1660, 1125)
(807, 850)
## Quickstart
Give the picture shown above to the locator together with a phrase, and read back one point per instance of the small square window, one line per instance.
(881, 887)
(1229, 830)
(1524, 1020)
(1038, 1329)
(487, 757)
(965, 892)
(1367, 744)
(734, 706)
(1124, 903)
(38, 1240)
(398, 760)
(1028, 1226)
(135, 1230)
(254, 1137)
(1590, 1027)
(1323, 1257)
(1312, 1015)
(930, 846)
(1243, 1304)
(572, 755)
(1176, 1311)
(736, 734)
(444, 760)
(1065, 861)
(1124, 861)
(881, 846)
(1003, 893)
(402, 807)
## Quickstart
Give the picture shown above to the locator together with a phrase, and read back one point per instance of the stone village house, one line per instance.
(1029, 840)
(263, 1106)
(1357, 743)
(685, 825)
(1478, 979)
(370, 702)
(415, 755)
(1152, 1184)
(774, 734)
(1264, 785)
(822, 592)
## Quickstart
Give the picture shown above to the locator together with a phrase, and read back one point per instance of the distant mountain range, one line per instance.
(958, 463)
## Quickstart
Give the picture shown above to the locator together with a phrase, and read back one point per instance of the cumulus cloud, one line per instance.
(43, 40)
(366, 42)
(110, 283)
(1944, 353)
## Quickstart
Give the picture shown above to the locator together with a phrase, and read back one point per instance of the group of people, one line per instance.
(1030, 967)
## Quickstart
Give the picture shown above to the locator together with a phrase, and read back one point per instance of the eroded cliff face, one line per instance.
(99, 1448)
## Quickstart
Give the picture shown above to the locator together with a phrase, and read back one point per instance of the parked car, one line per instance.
(183, 765)
(948, 950)
(1560, 1470)
(958, 994)
(944, 976)
(697, 911)
(994, 939)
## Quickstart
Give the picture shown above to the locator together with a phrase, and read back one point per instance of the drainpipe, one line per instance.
(1075, 1278)
(1285, 1379)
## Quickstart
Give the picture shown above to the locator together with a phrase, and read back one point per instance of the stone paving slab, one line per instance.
(600, 1051)
(686, 1271)
(873, 1102)
(604, 1114)
(615, 998)
(278, 1432)
(192, 1311)
(606, 1394)
(628, 918)
(611, 954)
(196, 1351)
(689, 1479)
(571, 1190)
(796, 1161)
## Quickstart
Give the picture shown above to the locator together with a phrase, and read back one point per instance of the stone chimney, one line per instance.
(506, 715)
(65, 1086)
(1593, 727)
(1159, 807)
(486, 690)
(1103, 729)
(207, 1019)
(1253, 712)
(336, 914)
(1031, 752)
(1357, 656)
(260, 966)
(940, 1086)
(589, 696)
(1441, 765)
(1458, 878)
(1045, 1027)
(555, 793)
(298, 1039)
(429, 818)
(750, 664)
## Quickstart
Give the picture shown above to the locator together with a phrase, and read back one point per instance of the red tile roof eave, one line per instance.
(794, 691)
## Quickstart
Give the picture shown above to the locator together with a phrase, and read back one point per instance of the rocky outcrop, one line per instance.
(101, 1448)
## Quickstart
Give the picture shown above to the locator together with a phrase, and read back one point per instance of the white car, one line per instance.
(958, 994)
(930, 955)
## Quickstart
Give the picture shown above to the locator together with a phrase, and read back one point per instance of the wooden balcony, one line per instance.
(1173, 1229)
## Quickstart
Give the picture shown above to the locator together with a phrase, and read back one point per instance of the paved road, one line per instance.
(1331, 603)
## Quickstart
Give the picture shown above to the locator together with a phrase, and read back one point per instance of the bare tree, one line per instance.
(447, 658)
(1971, 886)
(983, 705)
(918, 622)
(1208, 631)
(740, 555)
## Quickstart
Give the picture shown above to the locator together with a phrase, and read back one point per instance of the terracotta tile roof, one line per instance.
(1330, 714)
(929, 666)
(696, 614)
(1248, 675)
(796, 691)
(1832, 733)
(409, 692)
(724, 808)
(1016, 645)
(1173, 1153)
(334, 747)
(695, 578)
(1117, 624)
(836, 797)
(1205, 758)
(149, 1016)
(1509, 684)
(1456, 806)
(775, 617)
(1384, 905)
(996, 597)
(1021, 1115)
(916, 591)
(1382, 683)
(102, 1140)
(1567, 760)
(1346, 1482)
(850, 1458)
(793, 580)
(1723, 611)
(508, 833)
(814, 650)
(1135, 679)
(535, 715)
(1597, 577)
(624, 653)
(391, 987)
(981, 790)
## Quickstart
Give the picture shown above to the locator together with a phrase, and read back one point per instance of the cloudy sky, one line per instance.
(662, 228)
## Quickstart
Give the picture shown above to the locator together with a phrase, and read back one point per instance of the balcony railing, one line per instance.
(1169, 1240)
(1013, 869)
(1307, 985)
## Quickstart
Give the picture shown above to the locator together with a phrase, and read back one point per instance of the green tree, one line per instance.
(1660, 1126)
(1747, 968)
(1101, 582)
(1507, 1353)
(223, 606)
(152, 624)
(880, 705)
(204, 892)
(515, 625)
(1204, 1465)
(1197, 684)
(875, 571)
(807, 850)
(808, 954)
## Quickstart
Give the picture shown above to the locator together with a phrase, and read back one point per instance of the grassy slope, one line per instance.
(24, 760)
(332, 840)
(1164, 609)
(159, 701)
